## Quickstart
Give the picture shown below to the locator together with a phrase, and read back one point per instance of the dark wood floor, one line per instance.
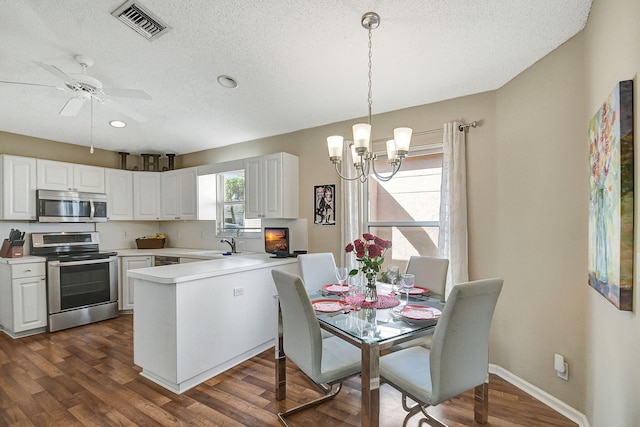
(85, 376)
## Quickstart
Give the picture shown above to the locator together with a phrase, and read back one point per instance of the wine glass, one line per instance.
(341, 274)
(393, 274)
(408, 281)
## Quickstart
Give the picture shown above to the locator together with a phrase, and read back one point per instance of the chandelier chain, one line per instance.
(361, 154)
(369, 95)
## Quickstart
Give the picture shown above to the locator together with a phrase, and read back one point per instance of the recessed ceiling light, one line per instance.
(227, 81)
(117, 123)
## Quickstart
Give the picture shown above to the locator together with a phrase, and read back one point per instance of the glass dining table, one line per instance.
(373, 330)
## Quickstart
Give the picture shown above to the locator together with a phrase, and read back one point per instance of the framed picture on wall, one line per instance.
(324, 204)
(611, 189)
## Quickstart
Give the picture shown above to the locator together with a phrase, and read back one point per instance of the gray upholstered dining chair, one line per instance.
(327, 362)
(430, 272)
(317, 269)
(458, 357)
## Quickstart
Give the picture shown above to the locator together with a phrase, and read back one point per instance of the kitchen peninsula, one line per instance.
(193, 321)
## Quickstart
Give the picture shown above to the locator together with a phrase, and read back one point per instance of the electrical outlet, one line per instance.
(564, 375)
(126, 234)
(238, 291)
(561, 367)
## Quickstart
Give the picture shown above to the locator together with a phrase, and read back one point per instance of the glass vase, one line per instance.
(370, 291)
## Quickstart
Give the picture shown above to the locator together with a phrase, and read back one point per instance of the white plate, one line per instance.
(328, 305)
(420, 313)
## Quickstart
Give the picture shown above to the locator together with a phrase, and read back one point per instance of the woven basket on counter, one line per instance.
(150, 243)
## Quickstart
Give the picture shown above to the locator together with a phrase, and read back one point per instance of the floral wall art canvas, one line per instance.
(611, 198)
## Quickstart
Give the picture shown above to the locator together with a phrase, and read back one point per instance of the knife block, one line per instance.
(9, 251)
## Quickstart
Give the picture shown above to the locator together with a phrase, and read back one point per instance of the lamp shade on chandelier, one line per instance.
(361, 150)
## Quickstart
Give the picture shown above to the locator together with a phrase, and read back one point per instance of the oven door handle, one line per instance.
(84, 262)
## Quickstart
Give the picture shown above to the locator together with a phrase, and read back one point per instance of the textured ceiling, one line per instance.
(299, 64)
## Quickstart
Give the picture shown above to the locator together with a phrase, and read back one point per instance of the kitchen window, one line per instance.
(231, 206)
(406, 209)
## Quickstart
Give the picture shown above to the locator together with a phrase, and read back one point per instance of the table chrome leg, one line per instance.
(370, 406)
(481, 403)
(281, 361)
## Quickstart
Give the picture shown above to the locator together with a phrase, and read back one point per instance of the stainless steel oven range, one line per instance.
(82, 282)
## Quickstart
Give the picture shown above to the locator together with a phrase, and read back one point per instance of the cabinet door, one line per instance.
(252, 188)
(146, 196)
(126, 290)
(272, 186)
(187, 193)
(169, 195)
(53, 175)
(29, 303)
(119, 189)
(18, 187)
(89, 179)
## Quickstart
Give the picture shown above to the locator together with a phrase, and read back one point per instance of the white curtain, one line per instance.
(352, 209)
(452, 237)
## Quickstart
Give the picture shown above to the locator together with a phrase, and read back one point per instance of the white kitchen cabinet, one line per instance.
(127, 263)
(61, 176)
(146, 196)
(119, 189)
(18, 187)
(271, 186)
(179, 194)
(190, 328)
(23, 298)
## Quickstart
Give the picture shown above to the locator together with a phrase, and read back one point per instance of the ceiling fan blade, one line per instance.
(59, 74)
(126, 93)
(129, 112)
(73, 106)
(29, 84)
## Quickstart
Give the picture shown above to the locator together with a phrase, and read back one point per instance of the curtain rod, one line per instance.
(461, 127)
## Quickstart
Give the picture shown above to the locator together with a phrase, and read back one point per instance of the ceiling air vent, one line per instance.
(141, 20)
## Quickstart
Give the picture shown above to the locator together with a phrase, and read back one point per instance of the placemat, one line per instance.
(384, 301)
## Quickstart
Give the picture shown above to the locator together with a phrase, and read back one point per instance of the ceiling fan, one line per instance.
(86, 88)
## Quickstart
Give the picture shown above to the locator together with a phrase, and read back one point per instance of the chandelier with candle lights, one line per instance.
(361, 151)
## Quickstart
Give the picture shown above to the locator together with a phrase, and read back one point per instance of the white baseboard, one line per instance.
(544, 397)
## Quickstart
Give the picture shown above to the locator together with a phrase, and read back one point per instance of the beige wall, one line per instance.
(21, 145)
(612, 53)
(541, 241)
(27, 146)
(315, 168)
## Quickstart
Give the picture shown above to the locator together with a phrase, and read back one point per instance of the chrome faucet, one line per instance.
(231, 243)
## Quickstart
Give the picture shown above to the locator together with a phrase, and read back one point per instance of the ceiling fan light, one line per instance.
(361, 137)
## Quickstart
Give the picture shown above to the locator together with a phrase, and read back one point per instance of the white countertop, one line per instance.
(23, 260)
(179, 252)
(199, 270)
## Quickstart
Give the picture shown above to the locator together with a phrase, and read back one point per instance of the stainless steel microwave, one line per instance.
(70, 206)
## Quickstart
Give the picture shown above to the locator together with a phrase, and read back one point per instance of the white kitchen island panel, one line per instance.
(187, 331)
